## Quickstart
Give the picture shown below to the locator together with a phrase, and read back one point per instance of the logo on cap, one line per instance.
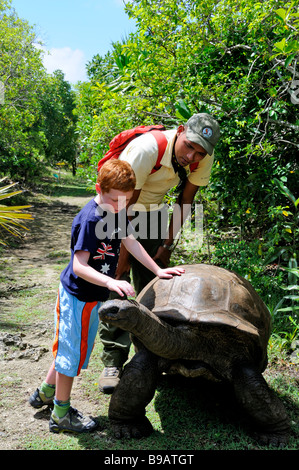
(207, 132)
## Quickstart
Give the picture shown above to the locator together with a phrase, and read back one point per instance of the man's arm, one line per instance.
(137, 250)
(182, 210)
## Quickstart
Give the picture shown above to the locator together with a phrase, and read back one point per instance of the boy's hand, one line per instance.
(121, 287)
(169, 272)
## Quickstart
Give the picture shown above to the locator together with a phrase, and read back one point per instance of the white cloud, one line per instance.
(71, 62)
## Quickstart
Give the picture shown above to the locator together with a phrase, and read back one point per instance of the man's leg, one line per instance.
(117, 342)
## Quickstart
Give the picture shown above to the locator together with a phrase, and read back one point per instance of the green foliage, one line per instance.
(36, 115)
(291, 297)
(283, 235)
(57, 106)
(287, 30)
(22, 75)
(247, 260)
(189, 57)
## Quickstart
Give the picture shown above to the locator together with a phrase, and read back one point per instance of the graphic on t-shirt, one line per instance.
(105, 268)
(104, 251)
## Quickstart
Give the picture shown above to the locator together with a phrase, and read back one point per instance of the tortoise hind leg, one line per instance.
(135, 390)
(262, 405)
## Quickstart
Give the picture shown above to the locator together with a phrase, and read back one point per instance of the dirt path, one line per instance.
(29, 279)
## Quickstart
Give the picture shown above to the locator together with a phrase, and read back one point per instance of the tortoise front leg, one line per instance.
(272, 425)
(135, 390)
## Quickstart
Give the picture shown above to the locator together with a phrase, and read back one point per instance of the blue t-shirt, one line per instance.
(100, 233)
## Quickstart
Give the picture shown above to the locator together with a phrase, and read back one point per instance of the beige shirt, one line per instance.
(142, 154)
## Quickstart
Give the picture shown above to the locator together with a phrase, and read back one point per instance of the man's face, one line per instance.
(114, 201)
(187, 152)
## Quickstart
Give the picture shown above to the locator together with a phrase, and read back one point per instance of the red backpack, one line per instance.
(120, 141)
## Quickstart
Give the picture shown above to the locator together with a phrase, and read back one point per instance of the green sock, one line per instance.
(61, 407)
(47, 389)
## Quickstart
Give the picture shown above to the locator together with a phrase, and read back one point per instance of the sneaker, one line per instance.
(73, 421)
(109, 378)
(38, 399)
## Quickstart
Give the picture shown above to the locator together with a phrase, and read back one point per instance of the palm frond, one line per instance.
(10, 215)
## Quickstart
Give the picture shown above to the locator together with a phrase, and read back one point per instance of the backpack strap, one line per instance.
(162, 144)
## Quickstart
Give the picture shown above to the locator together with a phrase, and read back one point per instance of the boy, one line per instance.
(97, 232)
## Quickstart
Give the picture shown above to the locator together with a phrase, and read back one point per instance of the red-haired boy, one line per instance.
(97, 232)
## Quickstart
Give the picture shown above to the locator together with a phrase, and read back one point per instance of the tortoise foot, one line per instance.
(274, 439)
(131, 429)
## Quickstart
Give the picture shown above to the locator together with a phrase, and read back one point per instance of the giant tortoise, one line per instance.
(209, 321)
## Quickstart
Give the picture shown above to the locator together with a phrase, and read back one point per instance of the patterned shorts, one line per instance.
(76, 326)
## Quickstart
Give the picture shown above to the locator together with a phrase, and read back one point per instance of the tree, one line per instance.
(105, 105)
(220, 57)
(22, 75)
(57, 106)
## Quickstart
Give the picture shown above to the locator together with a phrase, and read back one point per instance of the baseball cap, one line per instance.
(204, 130)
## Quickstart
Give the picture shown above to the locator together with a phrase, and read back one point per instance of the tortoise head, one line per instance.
(122, 313)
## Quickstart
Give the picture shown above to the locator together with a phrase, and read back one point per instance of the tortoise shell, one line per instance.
(210, 294)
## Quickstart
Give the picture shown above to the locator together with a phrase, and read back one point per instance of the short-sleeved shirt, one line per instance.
(142, 154)
(100, 233)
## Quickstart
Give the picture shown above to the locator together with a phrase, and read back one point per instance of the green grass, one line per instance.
(185, 416)
(64, 185)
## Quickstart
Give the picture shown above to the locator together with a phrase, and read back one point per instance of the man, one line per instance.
(189, 156)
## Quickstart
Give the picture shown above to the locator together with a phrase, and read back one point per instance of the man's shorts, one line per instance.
(76, 325)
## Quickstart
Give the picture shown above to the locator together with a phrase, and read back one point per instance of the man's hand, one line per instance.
(162, 256)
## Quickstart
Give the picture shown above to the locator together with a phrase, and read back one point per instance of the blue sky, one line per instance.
(73, 31)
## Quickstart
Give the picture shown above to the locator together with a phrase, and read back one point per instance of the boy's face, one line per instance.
(114, 201)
